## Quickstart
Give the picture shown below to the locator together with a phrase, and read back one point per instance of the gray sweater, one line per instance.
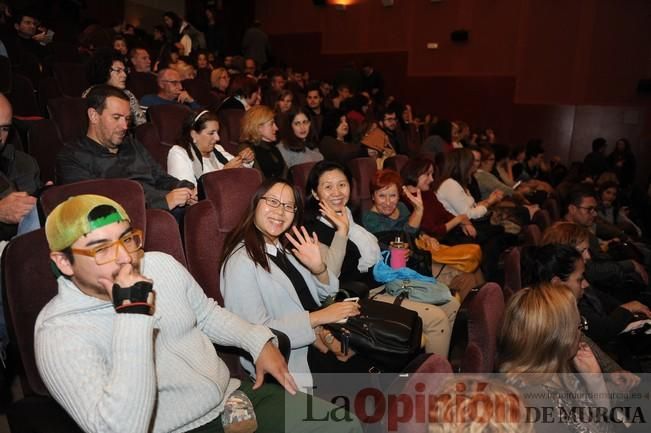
(136, 373)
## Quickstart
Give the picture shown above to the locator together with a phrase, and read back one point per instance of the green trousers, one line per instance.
(278, 411)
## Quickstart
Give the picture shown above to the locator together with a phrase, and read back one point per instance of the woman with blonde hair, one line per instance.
(219, 81)
(259, 132)
(541, 351)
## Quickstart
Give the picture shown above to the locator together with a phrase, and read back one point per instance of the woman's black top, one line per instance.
(303, 292)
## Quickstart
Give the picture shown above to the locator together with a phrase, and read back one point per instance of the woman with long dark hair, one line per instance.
(273, 273)
(296, 143)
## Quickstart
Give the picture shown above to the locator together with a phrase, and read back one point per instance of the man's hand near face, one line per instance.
(128, 277)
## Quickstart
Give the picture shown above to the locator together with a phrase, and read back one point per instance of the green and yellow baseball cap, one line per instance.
(78, 216)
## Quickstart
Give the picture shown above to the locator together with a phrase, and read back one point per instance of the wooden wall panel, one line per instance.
(554, 124)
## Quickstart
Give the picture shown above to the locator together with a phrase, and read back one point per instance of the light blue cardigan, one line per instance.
(269, 298)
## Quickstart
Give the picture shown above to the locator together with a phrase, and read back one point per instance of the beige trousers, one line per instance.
(437, 321)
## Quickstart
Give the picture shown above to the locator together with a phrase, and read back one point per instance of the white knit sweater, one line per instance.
(136, 373)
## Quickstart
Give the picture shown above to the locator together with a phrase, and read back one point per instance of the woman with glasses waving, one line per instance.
(296, 144)
(273, 274)
(107, 67)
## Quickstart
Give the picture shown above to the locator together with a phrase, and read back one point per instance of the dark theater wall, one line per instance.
(558, 70)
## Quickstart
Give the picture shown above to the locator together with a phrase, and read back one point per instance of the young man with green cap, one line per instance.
(119, 356)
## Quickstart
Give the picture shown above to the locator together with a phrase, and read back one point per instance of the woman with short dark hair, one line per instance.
(108, 67)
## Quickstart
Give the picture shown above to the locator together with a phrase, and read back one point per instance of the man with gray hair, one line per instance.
(170, 91)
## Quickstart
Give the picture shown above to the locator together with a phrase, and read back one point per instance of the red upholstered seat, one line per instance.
(542, 219)
(485, 312)
(512, 274)
(230, 191)
(141, 84)
(70, 116)
(396, 162)
(128, 193)
(168, 120)
(71, 78)
(43, 143)
(363, 170)
(229, 129)
(300, 173)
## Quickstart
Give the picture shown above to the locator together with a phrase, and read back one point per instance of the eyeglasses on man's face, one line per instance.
(589, 209)
(108, 252)
(275, 203)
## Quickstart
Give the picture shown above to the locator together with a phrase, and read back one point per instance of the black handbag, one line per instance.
(387, 334)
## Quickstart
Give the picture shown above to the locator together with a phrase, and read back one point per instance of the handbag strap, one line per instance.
(401, 297)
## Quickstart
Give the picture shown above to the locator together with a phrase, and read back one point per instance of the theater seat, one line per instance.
(43, 143)
(512, 274)
(230, 191)
(230, 128)
(71, 78)
(485, 311)
(395, 162)
(70, 116)
(363, 170)
(128, 193)
(30, 284)
(141, 84)
(168, 120)
(300, 173)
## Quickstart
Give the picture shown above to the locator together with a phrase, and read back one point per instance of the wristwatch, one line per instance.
(329, 338)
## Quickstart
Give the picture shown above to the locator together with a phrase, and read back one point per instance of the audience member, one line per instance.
(259, 274)
(219, 82)
(418, 175)
(336, 142)
(283, 104)
(596, 162)
(108, 152)
(107, 67)
(372, 83)
(296, 145)
(343, 93)
(452, 186)
(255, 44)
(277, 80)
(259, 132)
(542, 354)
(198, 152)
(351, 252)
(560, 260)
(610, 211)
(96, 326)
(20, 177)
(389, 122)
(139, 60)
(315, 108)
(243, 93)
(622, 278)
(622, 161)
(170, 91)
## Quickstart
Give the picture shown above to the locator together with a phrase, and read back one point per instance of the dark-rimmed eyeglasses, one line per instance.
(108, 252)
(118, 70)
(275, 203)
